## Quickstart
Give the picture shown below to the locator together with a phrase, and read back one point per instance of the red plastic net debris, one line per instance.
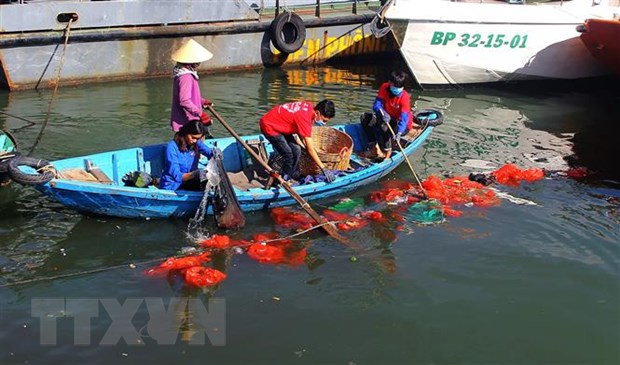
(511, 175)
(217, 242)
(288, 218)
(373, 215)
(386, 195)
(272, 254)
(345, 222)
(457, 191)
(272, 237)
(201, 276)
(398, 184)
(269, 249)
(578, 172)
(397, 191)
(178, 264)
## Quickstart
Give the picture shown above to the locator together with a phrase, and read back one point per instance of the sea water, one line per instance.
(516, 283)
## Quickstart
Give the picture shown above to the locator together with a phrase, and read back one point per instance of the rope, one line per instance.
(6, 154)
(19, 118)
(48, 168)
(80, 273)
(301, 232)
(93, 271)
(327, 44)
(56, 83)
(373, 28)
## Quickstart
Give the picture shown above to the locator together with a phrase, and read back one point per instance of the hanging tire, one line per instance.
(288, 32)
(42, 175)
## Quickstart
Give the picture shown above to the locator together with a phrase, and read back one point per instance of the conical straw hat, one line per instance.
(191, 52)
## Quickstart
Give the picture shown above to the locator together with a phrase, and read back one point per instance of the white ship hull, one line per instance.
(454, 43)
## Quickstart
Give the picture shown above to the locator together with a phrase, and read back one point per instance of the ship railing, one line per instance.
(316, 6)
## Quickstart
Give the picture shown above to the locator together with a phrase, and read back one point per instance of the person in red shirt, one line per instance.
(283, 121)
(392, 105)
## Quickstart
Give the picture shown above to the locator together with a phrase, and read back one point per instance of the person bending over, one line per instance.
(283, 121)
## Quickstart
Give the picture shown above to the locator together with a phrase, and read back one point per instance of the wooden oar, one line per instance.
(329, 228)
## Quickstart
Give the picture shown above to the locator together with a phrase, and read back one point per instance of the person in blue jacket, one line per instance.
(181, 159)
(392, 106)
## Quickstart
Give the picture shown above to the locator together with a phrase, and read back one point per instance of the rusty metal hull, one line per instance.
(38, 59)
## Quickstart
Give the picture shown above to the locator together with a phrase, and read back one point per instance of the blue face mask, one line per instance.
(319, 123)
(396, 90)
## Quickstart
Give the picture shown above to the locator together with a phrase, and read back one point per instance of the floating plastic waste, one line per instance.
(426, 212)
(347, 204)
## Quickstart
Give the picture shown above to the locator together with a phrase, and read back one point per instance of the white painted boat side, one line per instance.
(462, 43)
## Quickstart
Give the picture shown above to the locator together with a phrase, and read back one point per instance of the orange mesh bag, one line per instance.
(201, 276)
(333, 147)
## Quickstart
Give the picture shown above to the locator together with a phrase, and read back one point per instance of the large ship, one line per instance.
(45, 43)
(456, 43)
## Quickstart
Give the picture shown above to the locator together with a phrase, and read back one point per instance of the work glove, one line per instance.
(207, 103)
(200, 174)
(398, 137)
(329, 175)
(205, 119)
(385, 116)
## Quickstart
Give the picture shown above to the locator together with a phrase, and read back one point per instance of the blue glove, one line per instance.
(329, 175)
(385, 116)
(200, 174)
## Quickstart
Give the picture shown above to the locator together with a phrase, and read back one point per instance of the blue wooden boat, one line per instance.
(7, 143)
(112, 198)
(8, 150)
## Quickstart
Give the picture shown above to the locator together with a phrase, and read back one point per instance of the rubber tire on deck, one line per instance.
(285, 25)
(23, 178)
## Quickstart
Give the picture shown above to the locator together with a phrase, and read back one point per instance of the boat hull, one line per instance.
(121, 40)
(129, 202)
(447, 43)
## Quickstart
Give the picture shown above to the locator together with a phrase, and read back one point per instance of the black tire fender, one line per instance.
(288, 32)
(42, 176)
(431, 117)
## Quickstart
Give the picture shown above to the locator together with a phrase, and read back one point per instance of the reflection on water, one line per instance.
(470, 290)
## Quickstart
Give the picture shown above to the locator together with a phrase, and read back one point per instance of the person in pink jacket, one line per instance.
(187, 102)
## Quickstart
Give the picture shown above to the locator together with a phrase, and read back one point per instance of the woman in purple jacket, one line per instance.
(187, 103)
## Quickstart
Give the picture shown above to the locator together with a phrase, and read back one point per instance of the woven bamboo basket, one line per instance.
(334, 148)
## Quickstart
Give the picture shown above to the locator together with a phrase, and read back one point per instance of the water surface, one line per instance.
(508, 284)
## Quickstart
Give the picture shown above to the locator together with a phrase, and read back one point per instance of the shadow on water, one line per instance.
(587, 109)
